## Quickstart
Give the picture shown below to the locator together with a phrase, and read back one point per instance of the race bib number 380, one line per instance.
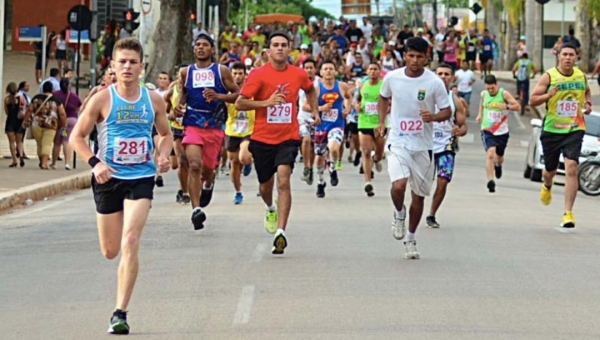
(203, 78)
(129, 151)
(411, 127)
(279, 114)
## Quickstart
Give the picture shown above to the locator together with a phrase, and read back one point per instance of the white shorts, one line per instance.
(417, 166)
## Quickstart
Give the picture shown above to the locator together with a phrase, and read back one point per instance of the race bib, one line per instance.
(279, 114)
(203, 78)
(438, 134)
(567, 108)
(371, 109)
(450, 50)
(487, 47)
(241, 125)
(411, 126)
(330, 116)
(465, 84)
(471, 49)
(130, 151)
(494, 116)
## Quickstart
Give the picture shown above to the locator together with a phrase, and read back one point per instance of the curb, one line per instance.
(40, 191)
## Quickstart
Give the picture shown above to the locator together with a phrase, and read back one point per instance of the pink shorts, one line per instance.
(211, 141)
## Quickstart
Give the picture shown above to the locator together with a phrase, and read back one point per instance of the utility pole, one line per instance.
(93, 39)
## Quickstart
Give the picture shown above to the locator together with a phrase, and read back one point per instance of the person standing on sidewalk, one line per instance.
(123, 170)
(565, 91)
(14, 107)
(72, 103)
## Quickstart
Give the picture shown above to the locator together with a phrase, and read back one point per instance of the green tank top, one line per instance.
(368, 117)
(495, 115)
(303, 30)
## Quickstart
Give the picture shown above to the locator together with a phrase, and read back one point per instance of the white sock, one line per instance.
(204, 186)
(399, 212)
(411, 236)
(272, 208)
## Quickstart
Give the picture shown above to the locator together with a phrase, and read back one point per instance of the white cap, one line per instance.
(304, 47)
(258, 27)
(392, 43)
(248, 62)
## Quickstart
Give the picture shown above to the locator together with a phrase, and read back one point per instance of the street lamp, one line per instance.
(543, 2)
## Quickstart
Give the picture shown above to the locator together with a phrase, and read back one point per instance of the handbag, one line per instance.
(39, 108)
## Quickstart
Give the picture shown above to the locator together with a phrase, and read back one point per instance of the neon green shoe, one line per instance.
(338, 165)
(270, 221)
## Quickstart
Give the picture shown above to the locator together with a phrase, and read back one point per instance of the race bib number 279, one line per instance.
(279, 114)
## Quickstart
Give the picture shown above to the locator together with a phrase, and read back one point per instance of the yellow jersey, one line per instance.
(239, 123)
(564, 111)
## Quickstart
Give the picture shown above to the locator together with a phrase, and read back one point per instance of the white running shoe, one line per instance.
(399, 225)
(411, 252)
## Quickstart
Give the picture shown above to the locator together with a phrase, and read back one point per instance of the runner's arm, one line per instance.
(461, 117)
(85, 124)
(183, 92)
(480, 113)
(513, 104)
(165, 141)
(312, 100)
(230, 85)
(347, 99)
(539, 95)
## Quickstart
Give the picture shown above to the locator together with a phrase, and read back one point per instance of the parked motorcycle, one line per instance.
(588, 175)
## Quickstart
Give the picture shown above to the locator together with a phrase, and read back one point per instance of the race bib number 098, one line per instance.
(129, 151)
(279, 114)
(411, 127)
(567, 108)
(203, 78)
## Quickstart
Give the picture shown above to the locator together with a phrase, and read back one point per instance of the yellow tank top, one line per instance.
(564, 111)
(239, 123)
(174, 101)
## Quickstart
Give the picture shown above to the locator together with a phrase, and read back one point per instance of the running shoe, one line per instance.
(410, 250)
(568, 220)
(305, 174)
(334, 180)
(321, 190)
(369, 190)
(185, 199)
(357, 158)
(546, 195)
(311, 177)
(378, 166)
(198, 218)
(159, 181)
(206, 196)
(279, 242)
(431, 222)
(399, 226)
(271, 221)
(338, 165)
(118, 323)
(179, 196)
(491, 185)
(247, 170)
(238, 198)
(498, 171)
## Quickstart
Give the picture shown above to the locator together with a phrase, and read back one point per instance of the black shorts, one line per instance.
(370, 132)
(490, 140)
(109, 196)
(233, 143)
(38, 62)
(177, 134)
(351, 128)
(553, 144)
(470, 56)
(60, 55)
(154, 131)
(268, 157)
(484, 59)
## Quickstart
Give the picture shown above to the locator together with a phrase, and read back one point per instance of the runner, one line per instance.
(351, 130)
(414, 92)
(178, 159)
(334, 99)
(123, 171)
(307, 130)
(205, 87)
(238, 129)
(486, 57)
(162, 81)
(445, 143)
(368, 120)
(272, 90)
(494, 108)
(567, 96)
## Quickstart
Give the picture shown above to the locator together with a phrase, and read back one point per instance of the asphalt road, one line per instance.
(499, 267)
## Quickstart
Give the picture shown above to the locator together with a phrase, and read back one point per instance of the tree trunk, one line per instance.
(493, 24)
(584, 32)
(531, 17)
(512, 38)
(538, 48)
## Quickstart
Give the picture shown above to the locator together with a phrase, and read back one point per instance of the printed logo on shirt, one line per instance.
(421, 95)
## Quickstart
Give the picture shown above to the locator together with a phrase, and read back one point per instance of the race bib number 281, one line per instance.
(279, 114)
(130, 151)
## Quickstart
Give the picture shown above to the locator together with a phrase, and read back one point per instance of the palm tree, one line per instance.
(587, 11)
(514, 10)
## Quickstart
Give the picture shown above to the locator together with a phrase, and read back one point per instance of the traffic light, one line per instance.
(130, 20)
(193, 17)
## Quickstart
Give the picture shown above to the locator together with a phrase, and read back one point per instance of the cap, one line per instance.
(392, 43)
(248, 62)
(420, 30)
(304, 47)
(353, 45)
(523, 37)
(258, 27)
(205, 37)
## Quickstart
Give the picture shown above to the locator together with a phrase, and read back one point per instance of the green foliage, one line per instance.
(302, 7)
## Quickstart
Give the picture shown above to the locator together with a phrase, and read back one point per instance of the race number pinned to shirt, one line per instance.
(471, 48)
(203, 78)
(487, 47)
(241, 126)
(567, 108)
(330, 116)
(411, 127)
(494, 116)
(371, 108)
(130, 151)
(279, 114)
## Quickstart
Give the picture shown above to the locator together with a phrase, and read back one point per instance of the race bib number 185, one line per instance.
(130, 151)
(279, 114)
(567, 108)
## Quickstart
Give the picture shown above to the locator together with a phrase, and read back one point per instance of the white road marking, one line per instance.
(518, 119)
(28, 211)
(258, 253)
(242, 315)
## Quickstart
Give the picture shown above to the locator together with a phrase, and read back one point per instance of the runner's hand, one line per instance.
(164, 164)
(426, 116)
(327, 107)
(455, 130)
(102, 173)
(210, 95)
(478, 119)
(380, 130)
(276, 98)
(553, 91)
(588, 108)
(179, 110)
(316, 120)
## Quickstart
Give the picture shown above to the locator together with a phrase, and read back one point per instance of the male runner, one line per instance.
(414, 92)
(307, 130)
(205, 85)
(494, 107)
(486, 57)
(445, 143)
(162, 81)
(368, 121)
(567, 96)
(334, 99)
(272, 90)
(123, 170)
(239, 127)
(178, 159)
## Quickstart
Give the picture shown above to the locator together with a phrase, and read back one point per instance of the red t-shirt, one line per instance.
(276, 124)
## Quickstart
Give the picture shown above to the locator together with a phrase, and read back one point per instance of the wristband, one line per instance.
(93, 161)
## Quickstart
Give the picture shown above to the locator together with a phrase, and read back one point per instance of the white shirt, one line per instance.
(409, 95)
(162, 93)
(316, 48)
(364, 51)
(442, 131)
(367, 32)
(464, 79)
(304, 116)
(439, 42)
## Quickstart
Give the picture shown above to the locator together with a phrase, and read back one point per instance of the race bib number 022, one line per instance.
(129, 151)
(203, 78)
(279, 114)
(411, 127)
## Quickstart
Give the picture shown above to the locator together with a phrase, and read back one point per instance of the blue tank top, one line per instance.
(233, 58)
(487, 47)
(334, 118)
(125, 136)
(199, 111)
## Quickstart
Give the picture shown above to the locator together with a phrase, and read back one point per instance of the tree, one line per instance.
(587, 12)
(302, 7)
(514, 9)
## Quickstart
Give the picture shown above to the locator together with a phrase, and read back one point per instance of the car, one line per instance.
(534, 161)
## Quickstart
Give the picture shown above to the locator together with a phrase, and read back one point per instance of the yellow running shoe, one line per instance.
(271, 221)
(546, 195)
(338, 165)
(568, 220)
